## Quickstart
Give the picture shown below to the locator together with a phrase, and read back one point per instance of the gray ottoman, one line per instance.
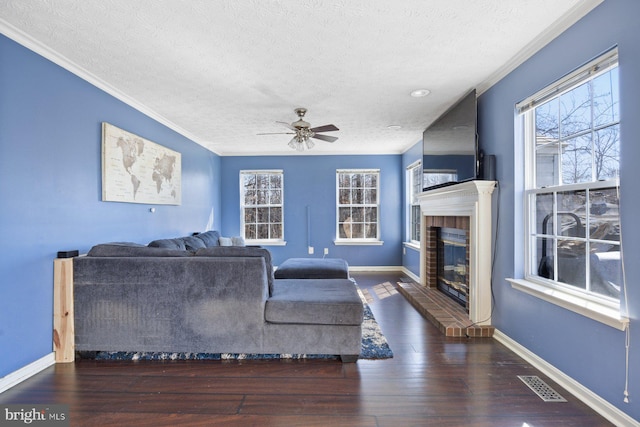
(315, 302)
(313, 268)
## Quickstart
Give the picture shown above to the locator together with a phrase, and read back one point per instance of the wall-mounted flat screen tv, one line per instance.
(450, 145)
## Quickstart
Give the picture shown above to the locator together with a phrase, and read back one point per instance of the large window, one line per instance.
(358, 208)
(414, 181)
(261, 206)
(572, 140)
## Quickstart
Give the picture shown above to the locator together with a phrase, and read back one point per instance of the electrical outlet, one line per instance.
(326, 251)
(310, 250)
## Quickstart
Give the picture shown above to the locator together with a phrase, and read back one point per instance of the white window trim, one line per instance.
(591, 308)
(266, 242)
(409, 194)
(357, 242)
(261, 242)
(601, 309)
(412, 245)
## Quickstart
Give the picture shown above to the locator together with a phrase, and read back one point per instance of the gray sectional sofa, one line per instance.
(194, 296)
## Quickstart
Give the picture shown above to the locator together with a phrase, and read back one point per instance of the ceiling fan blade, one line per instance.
(325, 138)
(325, 128)
(276, 133)
(287, 125)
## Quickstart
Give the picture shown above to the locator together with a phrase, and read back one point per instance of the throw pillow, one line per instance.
(210, 238)
(238, 241)
(225, 241)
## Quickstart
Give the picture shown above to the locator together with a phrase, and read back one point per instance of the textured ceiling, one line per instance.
(222, 71)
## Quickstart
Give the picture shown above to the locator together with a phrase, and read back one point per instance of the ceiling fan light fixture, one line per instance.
(297, 143)
(303, 132)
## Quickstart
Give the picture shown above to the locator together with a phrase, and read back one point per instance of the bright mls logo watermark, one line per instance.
(34, 415)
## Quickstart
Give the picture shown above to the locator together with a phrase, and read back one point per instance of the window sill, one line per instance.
(411, 245)
(266, 243)
(591, 309)
(357, 242)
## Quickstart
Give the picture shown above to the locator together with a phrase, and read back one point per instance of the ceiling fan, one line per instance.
(302, 132)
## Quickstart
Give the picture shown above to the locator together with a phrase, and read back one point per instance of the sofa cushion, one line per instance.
(314, 302)
(168, 244)
(118, 249)
(313, 268)
(210, 238)
(241, 251)
(192, 243)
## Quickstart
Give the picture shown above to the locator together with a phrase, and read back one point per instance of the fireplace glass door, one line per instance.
(453, 264)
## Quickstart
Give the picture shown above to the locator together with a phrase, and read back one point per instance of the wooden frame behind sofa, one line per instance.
(63, 325)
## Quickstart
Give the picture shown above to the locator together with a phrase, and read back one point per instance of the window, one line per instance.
(439, 176)
(572, 145)
(358, 208)
(261, 202)
(414, 183)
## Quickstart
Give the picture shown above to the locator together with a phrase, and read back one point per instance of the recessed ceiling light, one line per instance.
(394, 127)
(419, 93)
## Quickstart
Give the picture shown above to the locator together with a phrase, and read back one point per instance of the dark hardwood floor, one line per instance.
(432, 380)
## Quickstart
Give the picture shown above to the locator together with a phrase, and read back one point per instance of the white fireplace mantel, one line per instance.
(471, 199)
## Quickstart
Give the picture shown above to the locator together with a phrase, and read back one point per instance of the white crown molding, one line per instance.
(45, 51)
(311, 152)
(577, 13)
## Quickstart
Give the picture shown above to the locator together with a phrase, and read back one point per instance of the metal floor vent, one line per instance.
(541, 388)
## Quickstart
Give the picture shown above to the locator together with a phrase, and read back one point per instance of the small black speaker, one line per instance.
(68, 254)
(489, 167)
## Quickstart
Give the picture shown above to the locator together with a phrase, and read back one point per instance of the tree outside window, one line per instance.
(358, 204)
(262, 205)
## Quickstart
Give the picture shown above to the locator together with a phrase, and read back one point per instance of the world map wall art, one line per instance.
(136, 170)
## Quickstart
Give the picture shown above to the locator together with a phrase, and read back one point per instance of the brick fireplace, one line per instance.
(466, 206)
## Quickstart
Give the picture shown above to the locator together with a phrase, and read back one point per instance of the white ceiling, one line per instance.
(219, 72)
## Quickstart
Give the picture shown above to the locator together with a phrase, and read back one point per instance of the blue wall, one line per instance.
(586, 350)
(310, 183)
(50, 188)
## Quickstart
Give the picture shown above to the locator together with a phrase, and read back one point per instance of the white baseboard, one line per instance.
(16, 377)
(598, 404)
(386, 268)
(382, 268)
(409, 273)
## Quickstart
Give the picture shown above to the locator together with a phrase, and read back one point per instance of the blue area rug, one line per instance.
(374, 346)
